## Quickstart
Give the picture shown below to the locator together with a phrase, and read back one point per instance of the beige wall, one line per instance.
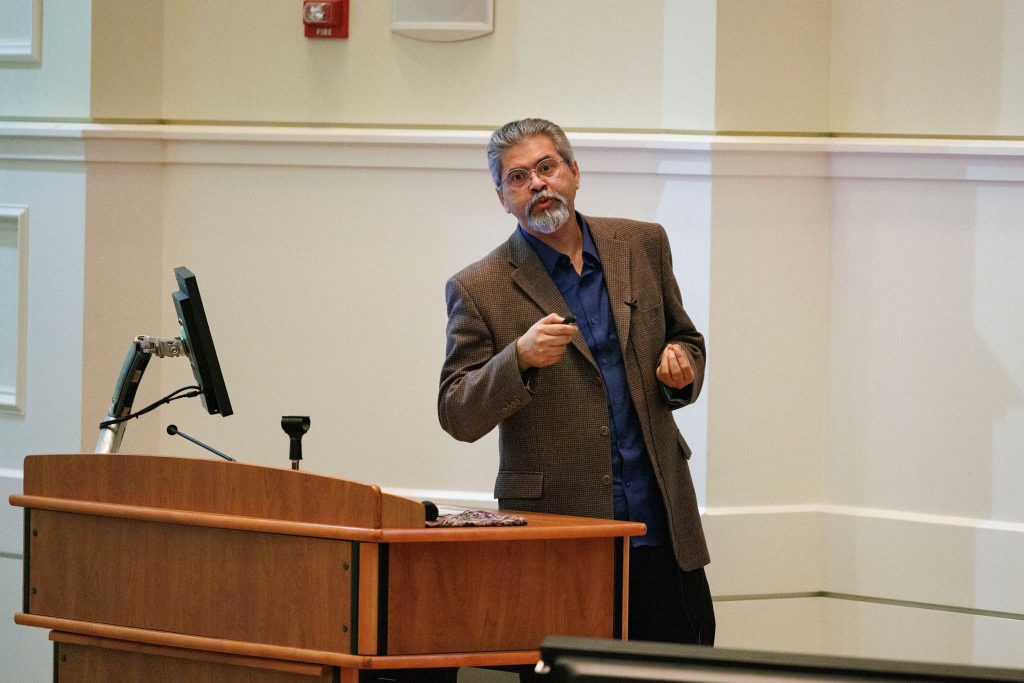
(584, 63)
(769, 292)
(127, 59)
(862, 421)
(773, 66)
(916, 67)
(923, 67)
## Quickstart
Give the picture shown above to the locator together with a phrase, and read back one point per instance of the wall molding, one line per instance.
(462, 499)
(870, 600)
(897, 557)
(866, 513)
(629, 153)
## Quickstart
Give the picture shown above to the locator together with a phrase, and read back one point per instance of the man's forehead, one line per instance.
(529, 151)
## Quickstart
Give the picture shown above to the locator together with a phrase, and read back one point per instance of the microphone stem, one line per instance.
(203, 445)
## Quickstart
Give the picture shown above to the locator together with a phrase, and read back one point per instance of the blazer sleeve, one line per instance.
(480, 384)
(679, 329)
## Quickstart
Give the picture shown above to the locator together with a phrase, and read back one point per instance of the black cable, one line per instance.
(173, 396)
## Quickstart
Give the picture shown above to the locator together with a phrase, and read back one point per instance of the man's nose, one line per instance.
(536, 182)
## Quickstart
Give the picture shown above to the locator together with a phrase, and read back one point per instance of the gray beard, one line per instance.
(550, 220)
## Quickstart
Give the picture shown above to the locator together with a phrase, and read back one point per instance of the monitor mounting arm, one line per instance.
(140, 351)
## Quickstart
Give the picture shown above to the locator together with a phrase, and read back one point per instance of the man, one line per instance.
(584, 408)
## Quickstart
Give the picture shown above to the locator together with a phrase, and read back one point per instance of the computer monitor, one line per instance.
(195, 333)
(575, 660)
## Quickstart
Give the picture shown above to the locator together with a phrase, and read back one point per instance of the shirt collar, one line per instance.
(550, 257)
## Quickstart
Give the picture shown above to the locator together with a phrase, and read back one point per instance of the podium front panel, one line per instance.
(267, 588)
(500, 595)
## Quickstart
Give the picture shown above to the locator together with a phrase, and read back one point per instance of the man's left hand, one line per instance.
(674, 370)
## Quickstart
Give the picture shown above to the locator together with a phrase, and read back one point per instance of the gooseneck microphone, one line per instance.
(173, 430)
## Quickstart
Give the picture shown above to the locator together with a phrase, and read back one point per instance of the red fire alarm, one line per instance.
(328, 19)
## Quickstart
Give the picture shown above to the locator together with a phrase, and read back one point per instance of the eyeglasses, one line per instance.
(518, 178)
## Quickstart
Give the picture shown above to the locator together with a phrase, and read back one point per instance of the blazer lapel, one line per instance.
(614, 255)
(533, 279)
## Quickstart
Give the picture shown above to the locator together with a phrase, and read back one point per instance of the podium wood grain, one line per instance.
(86, 659)
(160, 559)
(217, 487)
(264, 588)
(535, 589)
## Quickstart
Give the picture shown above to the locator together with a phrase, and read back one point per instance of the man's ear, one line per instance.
(576, 173)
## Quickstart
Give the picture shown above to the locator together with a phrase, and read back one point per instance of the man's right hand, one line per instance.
(544, 343)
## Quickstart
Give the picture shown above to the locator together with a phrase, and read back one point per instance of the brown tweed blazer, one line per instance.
(554, 441)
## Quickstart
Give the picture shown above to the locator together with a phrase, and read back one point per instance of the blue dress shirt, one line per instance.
(635, 490)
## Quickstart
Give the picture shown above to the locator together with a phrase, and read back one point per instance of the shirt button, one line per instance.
(606, 479)
(604, 430)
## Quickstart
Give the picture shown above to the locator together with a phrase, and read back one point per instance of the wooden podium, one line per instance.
(168, 569)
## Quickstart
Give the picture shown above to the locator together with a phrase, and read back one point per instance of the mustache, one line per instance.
(542, 195)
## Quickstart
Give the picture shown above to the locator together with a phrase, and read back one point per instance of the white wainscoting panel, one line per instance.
(12, 539)
(21, 30)
(13, 297)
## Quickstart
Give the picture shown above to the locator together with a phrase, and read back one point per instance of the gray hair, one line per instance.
(511, 134)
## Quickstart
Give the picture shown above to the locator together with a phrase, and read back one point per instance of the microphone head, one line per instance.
(172, 429)
(295, 425)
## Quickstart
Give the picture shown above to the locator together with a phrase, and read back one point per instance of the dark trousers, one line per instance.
(667, 604)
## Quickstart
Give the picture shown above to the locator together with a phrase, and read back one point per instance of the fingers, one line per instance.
(550, 318)
(554, 325)
(553, 338)
(664, 372)
(545, 342)
(674, 370)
